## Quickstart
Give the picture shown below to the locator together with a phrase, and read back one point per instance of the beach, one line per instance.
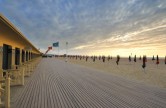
(153, 74)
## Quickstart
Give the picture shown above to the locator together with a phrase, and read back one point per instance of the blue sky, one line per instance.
(91, 26)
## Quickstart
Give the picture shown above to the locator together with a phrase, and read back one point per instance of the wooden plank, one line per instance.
(57, 84)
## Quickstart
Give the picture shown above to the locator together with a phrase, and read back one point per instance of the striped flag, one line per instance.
(50, 48)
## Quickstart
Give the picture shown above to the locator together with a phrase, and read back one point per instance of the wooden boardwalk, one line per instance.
(57, 84)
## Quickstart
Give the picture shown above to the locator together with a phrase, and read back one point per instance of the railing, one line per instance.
(14, 76)
(5, 90)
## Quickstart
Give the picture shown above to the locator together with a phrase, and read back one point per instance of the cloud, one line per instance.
(89, 24)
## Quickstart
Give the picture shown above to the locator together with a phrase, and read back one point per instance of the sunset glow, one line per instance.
(92, 27)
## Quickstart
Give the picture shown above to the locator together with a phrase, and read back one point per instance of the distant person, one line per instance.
(118, 59)
(86, 58)
(129, 58)
(153, 58)
(140, 58)
(99, 57)
(94, 59)
(109, 58)
(165, 59)
(144, 62)
(135, 58)
(103, 59)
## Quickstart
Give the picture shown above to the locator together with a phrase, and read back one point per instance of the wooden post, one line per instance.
(22, 76)
(0, 94)
(27, 55)
(7, 91)
(24, 56)
(29, 69)
(20, 57)
(13, 59)
(30, 55)
(1, 72)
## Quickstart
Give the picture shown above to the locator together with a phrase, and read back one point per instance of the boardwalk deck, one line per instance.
(57, 84)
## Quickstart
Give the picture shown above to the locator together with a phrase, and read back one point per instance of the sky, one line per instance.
(91, 27)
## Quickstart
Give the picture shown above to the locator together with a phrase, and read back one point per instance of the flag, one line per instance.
(56, 44)
(49, 48)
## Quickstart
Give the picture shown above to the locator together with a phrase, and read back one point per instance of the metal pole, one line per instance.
(66, 50)
(58, 51)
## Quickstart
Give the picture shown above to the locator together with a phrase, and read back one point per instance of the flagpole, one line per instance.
(66, 50)
(56, 44)
(58, 51)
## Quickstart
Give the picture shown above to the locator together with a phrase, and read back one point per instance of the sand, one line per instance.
(153, 75)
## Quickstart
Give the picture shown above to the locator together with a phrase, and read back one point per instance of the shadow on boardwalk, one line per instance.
(57, 84)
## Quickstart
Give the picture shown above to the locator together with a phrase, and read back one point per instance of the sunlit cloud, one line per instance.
(92, 26)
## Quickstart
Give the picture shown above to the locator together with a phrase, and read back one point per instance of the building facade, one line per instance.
(15, 49)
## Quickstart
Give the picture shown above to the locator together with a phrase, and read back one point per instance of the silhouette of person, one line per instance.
(103, 58)
(118, 58)
(94, 59)
(87, 58)
(135, 59)
(129, 58)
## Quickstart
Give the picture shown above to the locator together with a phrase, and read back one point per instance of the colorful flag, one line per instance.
(49, 48)
(56, 44)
